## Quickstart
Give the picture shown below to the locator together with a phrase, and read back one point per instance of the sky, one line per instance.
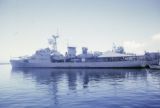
(26, 25)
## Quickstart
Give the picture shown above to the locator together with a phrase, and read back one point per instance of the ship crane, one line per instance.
(53, 42)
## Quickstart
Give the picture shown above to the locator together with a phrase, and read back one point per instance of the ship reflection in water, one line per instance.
(82, 88)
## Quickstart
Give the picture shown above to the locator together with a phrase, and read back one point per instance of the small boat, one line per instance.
(154, 66)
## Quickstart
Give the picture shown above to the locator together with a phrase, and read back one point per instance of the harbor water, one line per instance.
(79, 88)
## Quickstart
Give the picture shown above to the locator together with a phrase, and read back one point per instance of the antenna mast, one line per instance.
(113, 47)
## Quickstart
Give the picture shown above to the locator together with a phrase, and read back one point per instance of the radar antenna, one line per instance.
(53, 42)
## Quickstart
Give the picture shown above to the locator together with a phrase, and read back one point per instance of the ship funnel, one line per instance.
(84, 50)
(71, 52)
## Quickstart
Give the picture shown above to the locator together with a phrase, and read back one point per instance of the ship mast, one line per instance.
(55, 42)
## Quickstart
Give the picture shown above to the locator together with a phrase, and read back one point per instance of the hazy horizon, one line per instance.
(26, 25)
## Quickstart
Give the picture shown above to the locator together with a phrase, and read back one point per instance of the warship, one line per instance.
(52, 58)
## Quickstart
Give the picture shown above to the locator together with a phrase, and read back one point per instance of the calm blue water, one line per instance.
(79, 88)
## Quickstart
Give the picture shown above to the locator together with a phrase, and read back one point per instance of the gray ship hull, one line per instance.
(117, 64)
